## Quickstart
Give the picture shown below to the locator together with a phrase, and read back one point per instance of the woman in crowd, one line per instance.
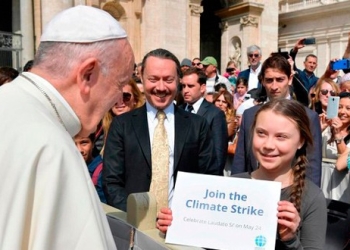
(231, 74)
(132, 98)
(241, 90)
(223, 100)
(336, 141)
(325, 87)
(345, 83)
(280, 148)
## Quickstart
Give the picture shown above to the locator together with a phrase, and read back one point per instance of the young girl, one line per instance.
(241, 90)
(280, 149)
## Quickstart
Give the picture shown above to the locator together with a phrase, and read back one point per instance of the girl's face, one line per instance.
(275, 143)
(241, 89)
(325, 92)
(221, 103)
(344, 110)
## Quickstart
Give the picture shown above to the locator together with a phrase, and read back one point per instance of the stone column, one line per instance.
(193, 36)
(225, 43)
(50, 8)
(27, 30)
(250, 35)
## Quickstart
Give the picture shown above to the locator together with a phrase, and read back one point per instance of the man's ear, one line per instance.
(203, 88)
(88, 73)
(290, 80)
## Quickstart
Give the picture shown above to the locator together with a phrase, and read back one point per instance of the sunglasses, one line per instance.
(126, 96)
(254, 55)
(229, 70)
(325, 92)
(196, 64)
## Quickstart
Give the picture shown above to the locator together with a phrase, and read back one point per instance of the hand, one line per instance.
(164, 219)
(299, 44)
(288, 220)
(323, 121)
(336, 124)
(291, 62)
(329, 72)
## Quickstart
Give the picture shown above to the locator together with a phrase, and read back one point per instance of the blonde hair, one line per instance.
(108, 117)
(318, 87)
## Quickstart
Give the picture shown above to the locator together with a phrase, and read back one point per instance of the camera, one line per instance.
(340, 64)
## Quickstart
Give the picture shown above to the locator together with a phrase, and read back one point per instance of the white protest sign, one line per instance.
(224, 212)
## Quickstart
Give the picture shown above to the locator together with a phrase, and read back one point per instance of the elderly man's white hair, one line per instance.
(253, 48)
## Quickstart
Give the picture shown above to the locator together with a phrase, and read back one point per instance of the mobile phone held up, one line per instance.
(332, 107)
(309, 40)
(340, 64)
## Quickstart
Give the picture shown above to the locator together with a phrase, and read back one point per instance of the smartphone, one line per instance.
(340, 64)
(309, 40)
(332, 107)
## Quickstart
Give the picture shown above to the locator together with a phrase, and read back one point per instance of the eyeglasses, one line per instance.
(196, 64)
(229, 70)
(325, 92)
(254, 55)
(126, 96)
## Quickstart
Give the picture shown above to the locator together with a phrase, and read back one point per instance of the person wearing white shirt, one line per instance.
(252, 73)
(128, 156)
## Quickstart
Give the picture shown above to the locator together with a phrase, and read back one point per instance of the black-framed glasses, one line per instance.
(325, 92)
(196, 64)
(126, 96)
(254, 55)
(229, 70)
(344, 94)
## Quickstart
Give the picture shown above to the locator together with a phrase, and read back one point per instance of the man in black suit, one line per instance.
(193, 90)
(276, 77)
(251, 74)
(128, 153)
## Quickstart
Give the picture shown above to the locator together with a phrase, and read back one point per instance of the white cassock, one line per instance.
(47, 198)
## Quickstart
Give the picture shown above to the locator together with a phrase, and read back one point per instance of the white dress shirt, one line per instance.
(169, 124)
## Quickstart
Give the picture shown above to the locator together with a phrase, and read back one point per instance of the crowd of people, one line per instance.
(92, 113)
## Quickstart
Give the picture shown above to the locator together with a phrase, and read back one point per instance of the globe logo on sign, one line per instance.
(260, 241)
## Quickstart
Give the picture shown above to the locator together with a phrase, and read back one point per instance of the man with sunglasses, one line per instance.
(196, 62)
(252, 73)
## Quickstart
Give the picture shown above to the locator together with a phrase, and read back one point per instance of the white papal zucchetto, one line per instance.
(82, 24)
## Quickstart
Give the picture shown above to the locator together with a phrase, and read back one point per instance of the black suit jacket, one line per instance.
(218, 126)
(244, 160)
(127, 166)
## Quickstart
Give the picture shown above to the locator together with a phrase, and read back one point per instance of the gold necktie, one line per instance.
(160, 163)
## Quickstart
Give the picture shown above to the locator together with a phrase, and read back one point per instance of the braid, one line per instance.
(298, 181)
